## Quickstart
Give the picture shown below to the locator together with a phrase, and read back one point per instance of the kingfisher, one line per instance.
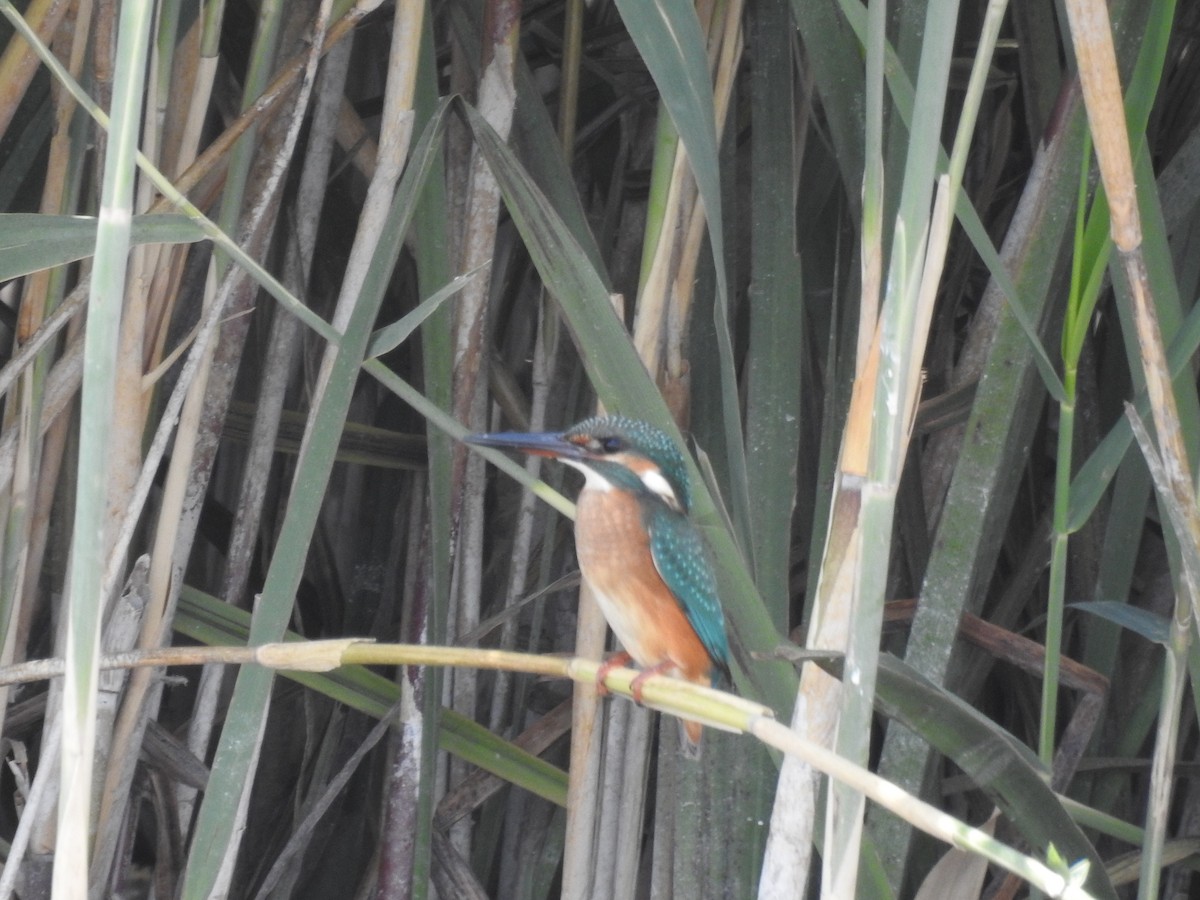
(639, 552)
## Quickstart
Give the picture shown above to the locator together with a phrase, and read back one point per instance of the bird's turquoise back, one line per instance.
(682, 561)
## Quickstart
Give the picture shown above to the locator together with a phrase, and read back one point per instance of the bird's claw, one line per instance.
(616, 661)
(638, 683)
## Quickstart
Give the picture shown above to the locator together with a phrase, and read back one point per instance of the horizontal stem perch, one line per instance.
(710, 707)
(307, 656)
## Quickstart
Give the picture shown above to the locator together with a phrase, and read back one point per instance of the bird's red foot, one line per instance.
(616, 661)
(635, 686)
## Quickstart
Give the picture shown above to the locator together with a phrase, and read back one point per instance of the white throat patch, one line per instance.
(593, 480)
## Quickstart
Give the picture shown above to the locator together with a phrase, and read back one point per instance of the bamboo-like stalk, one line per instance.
(889, 387)
(481, 210)
(19, 62)
(1091, 256)
(150, 268)
(1174, 675)
(1102, 95)
(31, 466)
(1092, 38)
(89, 542)
(607, 785)
(36, 465)
(872, 252)
(1072, 347)
(544, 365)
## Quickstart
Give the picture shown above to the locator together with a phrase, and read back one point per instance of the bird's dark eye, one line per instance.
(610, 444)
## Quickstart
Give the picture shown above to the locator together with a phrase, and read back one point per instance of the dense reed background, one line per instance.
(856, 255)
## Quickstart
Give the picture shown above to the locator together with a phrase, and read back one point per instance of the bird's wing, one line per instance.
(682, 561)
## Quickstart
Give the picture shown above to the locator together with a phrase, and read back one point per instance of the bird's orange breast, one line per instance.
(615, 560)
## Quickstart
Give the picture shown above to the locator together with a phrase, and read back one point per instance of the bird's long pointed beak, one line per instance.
(550, 443)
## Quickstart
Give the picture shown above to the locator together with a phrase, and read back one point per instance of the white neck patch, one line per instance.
(657, 484)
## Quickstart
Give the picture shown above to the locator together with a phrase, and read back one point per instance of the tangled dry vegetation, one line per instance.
(944, 429)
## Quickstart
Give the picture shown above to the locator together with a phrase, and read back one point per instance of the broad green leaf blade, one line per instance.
(668, 37)
(392, 336)
(30, 242)
(774, 361)
(1140, 621)
(1003, 767)
(835, 52)
(471, 741)
(83, 603)
(434, 267)
(616, 373)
